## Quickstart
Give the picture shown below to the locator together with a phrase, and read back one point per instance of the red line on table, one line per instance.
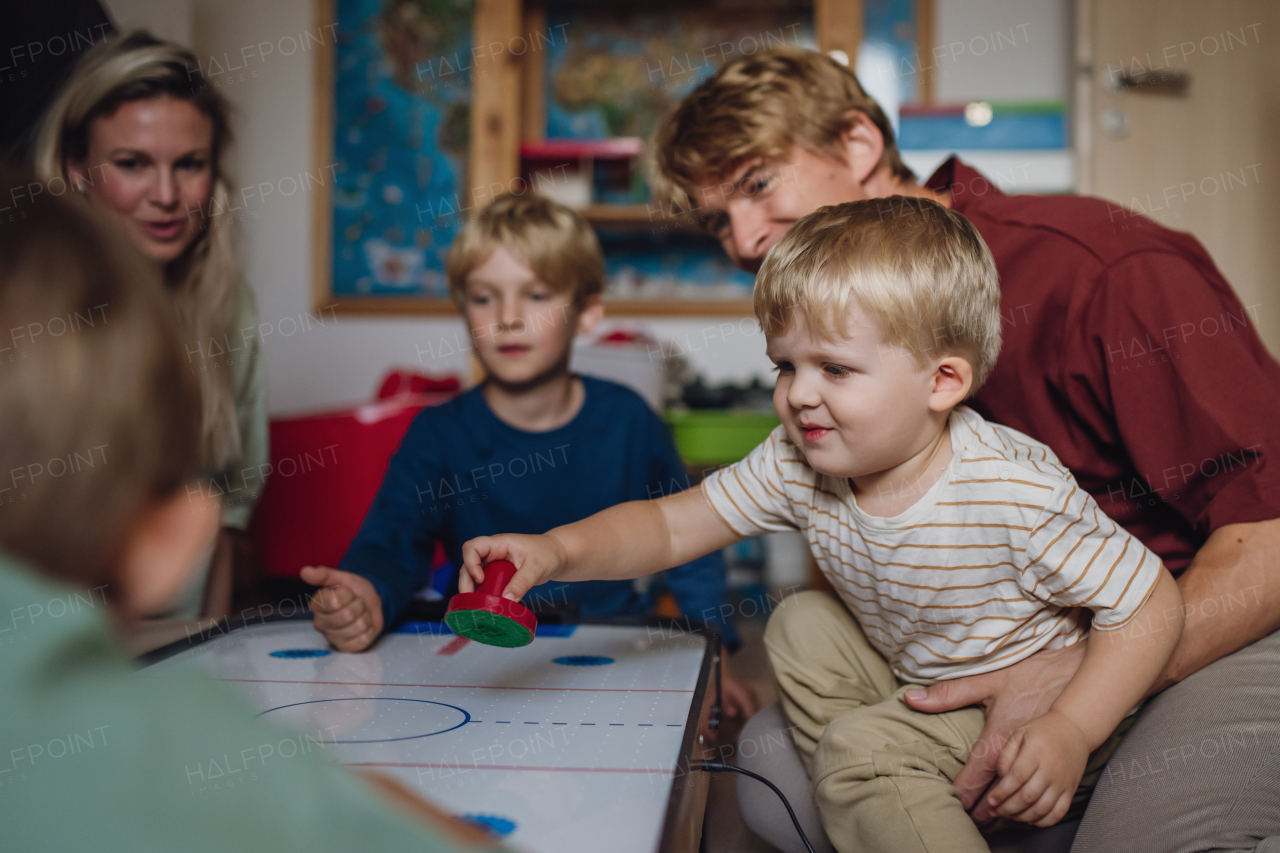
(460, 686)
(455, 645)
(463, 767)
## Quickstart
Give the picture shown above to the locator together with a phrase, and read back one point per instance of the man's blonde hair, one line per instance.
(919, 270)
(762, 106)
(556, 244)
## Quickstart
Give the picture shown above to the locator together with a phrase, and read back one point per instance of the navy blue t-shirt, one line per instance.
(460, 472)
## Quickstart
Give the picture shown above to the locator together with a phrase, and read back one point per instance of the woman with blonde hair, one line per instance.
(139, 135)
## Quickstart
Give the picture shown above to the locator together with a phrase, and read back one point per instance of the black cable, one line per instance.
(717, 767)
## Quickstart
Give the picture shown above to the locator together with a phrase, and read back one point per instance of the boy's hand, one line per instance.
(1040, 768)
(537, 559)
(348, 610)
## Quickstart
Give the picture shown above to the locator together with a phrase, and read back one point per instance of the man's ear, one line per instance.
(861, 145)
(164, 547)
(590, 314)
(952, 380)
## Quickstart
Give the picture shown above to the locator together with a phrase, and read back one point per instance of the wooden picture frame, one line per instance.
(506, 105)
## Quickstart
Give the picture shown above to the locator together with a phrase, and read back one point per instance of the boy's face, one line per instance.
(522, 329)
(856, 406)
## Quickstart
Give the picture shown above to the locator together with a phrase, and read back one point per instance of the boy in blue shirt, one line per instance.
(531, 448)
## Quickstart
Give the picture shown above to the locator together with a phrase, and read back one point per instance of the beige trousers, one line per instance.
(881, 772)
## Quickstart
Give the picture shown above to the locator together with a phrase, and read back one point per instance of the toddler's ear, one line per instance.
(164, 548)
(952, 381)
(590, 315)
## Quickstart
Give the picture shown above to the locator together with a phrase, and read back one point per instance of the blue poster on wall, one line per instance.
(401, 127)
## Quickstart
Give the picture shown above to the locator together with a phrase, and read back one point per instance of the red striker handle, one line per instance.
(496, 577)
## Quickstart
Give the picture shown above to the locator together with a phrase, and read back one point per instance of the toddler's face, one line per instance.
(856, 406)
(521, 328)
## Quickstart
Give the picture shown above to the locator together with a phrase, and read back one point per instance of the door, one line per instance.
(1178, 118)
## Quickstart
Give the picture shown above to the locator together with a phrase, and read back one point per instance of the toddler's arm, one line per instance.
(1041, 765)
(625, 541)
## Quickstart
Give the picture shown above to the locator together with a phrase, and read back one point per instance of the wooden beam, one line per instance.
(495, 98)
(838, 25)
(410, 305)
(533, 106)
(322, 156)
(926, 38)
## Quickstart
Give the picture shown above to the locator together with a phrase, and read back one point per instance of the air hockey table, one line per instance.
(587, 733)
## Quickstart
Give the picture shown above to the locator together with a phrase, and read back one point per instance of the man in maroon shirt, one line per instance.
(1125, 351)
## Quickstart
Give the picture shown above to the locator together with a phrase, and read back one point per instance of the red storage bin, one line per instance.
(326, 469)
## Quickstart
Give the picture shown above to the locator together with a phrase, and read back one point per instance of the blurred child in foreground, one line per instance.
(100, 434)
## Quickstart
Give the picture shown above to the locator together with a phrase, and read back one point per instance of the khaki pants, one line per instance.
(881, 772)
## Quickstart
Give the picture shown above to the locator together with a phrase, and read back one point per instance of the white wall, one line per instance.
(167, 19)
(319, 365)
(1003, 50)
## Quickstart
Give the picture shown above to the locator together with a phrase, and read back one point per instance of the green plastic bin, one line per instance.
(718, 436)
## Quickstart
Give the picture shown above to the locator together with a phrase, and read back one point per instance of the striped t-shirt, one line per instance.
(999, 559)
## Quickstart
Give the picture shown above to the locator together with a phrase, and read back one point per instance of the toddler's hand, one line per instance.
(537, 559)
(348, 610)
(1040, 768)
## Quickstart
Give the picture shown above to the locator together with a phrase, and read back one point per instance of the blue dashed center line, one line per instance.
(535, 723)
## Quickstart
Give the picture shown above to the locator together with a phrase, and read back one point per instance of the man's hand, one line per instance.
(1011, 697)
(537, 559)
(1040, 769)
(736, 698)
(347, 610)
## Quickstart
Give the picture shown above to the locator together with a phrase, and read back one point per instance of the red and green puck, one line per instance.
(486, 617)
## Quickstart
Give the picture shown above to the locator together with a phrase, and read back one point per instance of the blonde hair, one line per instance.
(762, 106)
(556, 244)
(98, 417)
(919, 270)
(203, 282)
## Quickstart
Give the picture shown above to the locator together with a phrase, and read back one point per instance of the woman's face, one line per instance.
(150, 167)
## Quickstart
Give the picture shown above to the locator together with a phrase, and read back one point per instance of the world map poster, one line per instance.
(402, 72)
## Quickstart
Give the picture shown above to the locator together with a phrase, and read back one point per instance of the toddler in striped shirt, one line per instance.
(956, 546)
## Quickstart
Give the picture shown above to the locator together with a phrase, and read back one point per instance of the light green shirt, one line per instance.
(95, 757)
(249, 384)
(240, 484)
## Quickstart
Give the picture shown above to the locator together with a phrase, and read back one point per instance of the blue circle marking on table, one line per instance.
(294, 654)
(583, 660)
(442, 726)
(499, 826)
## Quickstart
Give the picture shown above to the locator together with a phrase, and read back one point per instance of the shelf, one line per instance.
(408, 305)
(640, 217)
(615, 148)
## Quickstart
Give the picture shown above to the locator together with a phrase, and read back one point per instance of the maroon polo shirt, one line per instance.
(1126, 351)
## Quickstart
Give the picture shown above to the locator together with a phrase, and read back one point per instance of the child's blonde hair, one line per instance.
(556, 244)
(99, 417)
(762, 106)
(919, 270)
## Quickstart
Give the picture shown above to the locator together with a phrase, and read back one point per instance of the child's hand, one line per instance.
(1040, 768)
(537, 559)
(348, 610)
